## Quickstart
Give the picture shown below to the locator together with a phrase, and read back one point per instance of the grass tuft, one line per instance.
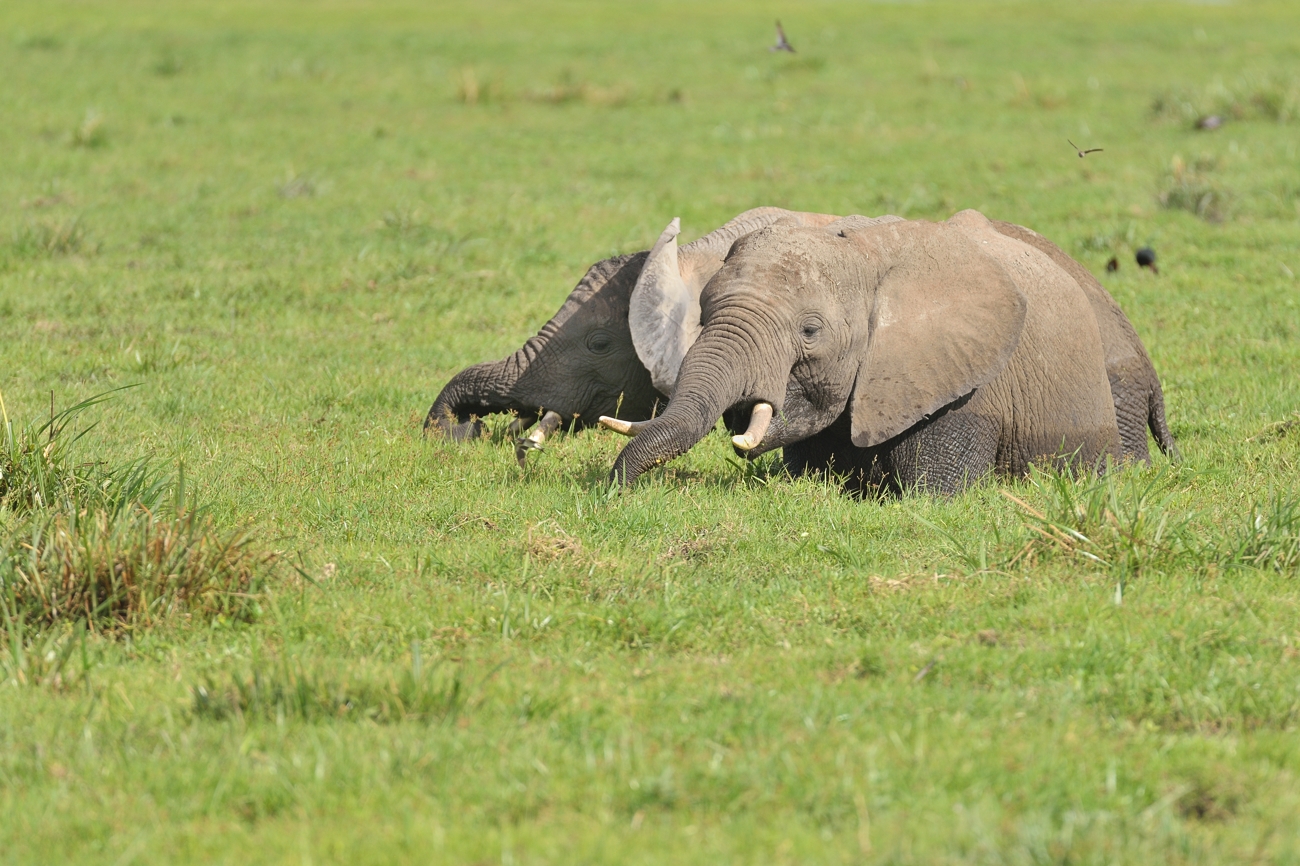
(116, 548)
(299, 186)
(91, 133)
(1270, 540)
(132, 568)
(37, 469)
(168, 66)
(417, 693)
(1191, 188)
(1121, 522)
(39, 239)
(1274, 97)
(566, 92)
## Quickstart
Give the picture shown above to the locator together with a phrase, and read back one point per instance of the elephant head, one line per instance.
(876, 329)
(585, 362)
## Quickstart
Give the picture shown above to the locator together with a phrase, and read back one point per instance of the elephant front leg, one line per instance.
(943, 455)
(831, 455)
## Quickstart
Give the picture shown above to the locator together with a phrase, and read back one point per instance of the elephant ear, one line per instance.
(944, 320)
(664, 310)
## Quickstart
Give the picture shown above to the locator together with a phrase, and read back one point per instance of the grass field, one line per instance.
(288, 224)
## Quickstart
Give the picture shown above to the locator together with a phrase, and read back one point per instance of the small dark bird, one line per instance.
(1146, 258)
(1082, 153)
(782, 44)
(1112, 266)
(1212, 122)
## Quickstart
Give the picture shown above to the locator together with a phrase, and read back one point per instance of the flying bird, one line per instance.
(1082, 153)
(782, 44)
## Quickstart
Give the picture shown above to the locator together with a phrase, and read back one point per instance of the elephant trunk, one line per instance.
(666, 437)
(473, 393)
(714, 378)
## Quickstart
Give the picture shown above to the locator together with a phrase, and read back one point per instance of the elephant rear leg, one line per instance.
(1131, 396)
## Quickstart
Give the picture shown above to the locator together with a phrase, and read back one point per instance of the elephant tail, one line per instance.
(1159, 426)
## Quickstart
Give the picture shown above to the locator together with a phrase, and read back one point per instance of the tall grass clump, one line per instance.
(1122, 523)
(91, 133)
(1126, 523)
(133, 567)
(36, 464)
(1272, 97)
(113, 547)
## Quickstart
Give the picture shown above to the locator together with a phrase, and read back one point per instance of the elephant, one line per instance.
(584, 363)
(907, 354)
(592, 360)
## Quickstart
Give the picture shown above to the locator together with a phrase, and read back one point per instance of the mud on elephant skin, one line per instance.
(585, 361)
(936, 352)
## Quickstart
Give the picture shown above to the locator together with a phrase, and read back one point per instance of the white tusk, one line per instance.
(758, 421)
(627, 428)
(533, 441)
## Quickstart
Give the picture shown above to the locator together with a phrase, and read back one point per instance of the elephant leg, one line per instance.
(943, 455)
(813, 456)
(832, 455)
(1132, 395)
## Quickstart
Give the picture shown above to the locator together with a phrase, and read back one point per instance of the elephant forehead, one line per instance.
(601, 297)
(789, 259)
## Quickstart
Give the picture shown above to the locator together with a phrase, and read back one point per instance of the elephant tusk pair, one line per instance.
(533, 441)
(759, 418)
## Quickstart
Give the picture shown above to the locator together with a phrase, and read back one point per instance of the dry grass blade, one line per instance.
(1056, 534)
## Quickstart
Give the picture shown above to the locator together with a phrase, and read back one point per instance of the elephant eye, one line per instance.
(811, 330)
(599, 343)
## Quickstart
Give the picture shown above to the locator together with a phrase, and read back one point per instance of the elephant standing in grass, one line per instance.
(583, 364)
(905, 354)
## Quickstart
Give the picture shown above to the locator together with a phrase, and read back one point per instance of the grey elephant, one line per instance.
(583, 362)
(907, 354)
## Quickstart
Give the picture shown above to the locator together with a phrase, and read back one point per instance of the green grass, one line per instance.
(289, 224)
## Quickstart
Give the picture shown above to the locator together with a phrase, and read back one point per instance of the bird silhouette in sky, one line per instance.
(782, 44)
(1082, 153)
